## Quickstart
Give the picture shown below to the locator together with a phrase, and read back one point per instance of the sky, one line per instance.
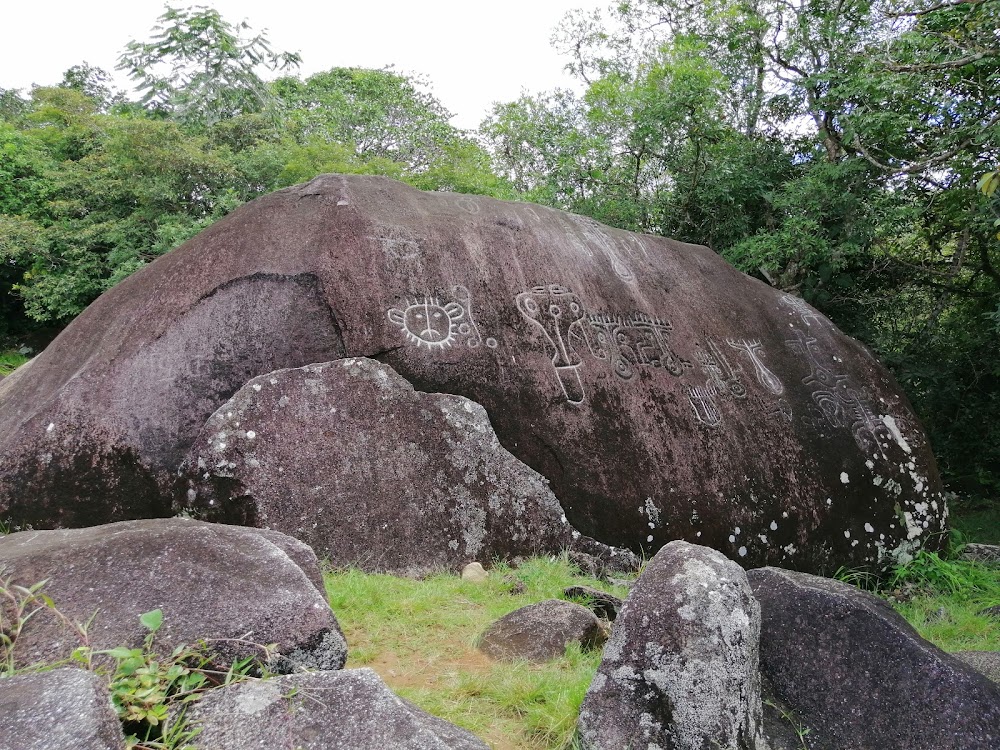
(472, 53)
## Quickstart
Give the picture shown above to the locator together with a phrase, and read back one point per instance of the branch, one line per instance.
(950, 64)
(933, 8)
(921, 165)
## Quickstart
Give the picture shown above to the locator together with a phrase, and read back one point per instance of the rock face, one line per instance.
(986, 663)
(859, 675)
(540, 632)
(63, 708)
(348, 710)
(680, 671)
(644, 378)
(348, 457)
(210, 581)
(601, 603)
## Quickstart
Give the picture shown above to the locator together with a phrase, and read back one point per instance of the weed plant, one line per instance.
(10, 361)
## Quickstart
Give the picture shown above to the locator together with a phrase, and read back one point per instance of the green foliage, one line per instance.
(199, 69)
(149, 689)
(10, 361)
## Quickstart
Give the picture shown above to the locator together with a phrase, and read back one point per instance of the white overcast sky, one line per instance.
(473, 53)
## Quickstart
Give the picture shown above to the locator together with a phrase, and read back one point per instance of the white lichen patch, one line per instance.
(844, 478)
(897, 435)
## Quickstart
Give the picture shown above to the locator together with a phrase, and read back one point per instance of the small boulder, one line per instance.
(860, 676)
(600, 602)
(984, 662)
(474, 572)
(982, 553)
(540, 632)
(680, 670)
(232, 586)
(349, 710)
(55, 710)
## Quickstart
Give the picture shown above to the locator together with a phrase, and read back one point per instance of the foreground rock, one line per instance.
(63, 708)
(860, 676)
(601, 603)
(350, 710)
(645, 379)
(540, 632)
(235, 587)
(680, 671)
(348, 457)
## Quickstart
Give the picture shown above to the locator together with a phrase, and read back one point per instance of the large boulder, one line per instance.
(56, 710)
(680, 671)
(348, 457)
(662, 393)
(349, 710)
(237, 588)
(860, 676)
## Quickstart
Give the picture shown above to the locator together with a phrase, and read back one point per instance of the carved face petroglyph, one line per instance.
(428, 322)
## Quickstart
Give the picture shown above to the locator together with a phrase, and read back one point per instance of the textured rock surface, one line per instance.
(348, 457)
(211, 581)
(680, 671)
(861, 677)
(540, 632)
(985, 662)
(57, 710)
(599, 602)
(644, 378)
(348, 710)
(982, 553)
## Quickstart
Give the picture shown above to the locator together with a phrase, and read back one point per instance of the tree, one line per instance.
(199, 69)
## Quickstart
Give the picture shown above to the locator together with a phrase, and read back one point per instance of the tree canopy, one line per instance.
(847, 151)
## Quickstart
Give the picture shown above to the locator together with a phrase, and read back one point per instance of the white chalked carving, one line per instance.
(754, 350)
(468, 204)
(595, 233)
(706, 410)
(468, 328)
(428, 322)
(837, 403)
(802, 309)
(556, 311)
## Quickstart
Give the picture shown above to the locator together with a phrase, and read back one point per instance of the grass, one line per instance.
(419, 635)
(10, 361)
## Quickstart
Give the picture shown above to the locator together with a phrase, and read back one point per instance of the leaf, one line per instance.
(121, 652)
(152, 620)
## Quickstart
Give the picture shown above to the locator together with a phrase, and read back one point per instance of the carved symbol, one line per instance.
(801, 307)
(705, 409)
(595, 233)
(754, 350)
(556, 311)
(469, 205)
(428, 322)
(837, 403)
(399, 243)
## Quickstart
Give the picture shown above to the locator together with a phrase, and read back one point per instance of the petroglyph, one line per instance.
(596, 235)
(838, 404)
(437, 324)
(802, 309)
(398, 243)
(556, 311)
(754, 351)
(468, 204)
(428, 322)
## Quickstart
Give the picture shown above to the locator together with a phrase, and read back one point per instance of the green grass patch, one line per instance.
(980, 523)
(943, 600)
(10, 361)
(419, 636)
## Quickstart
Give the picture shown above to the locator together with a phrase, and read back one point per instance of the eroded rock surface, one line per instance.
(860, 676)
(59, 709)
(663, 394)
(233, 586)
(542, 631)
(348, 457)
(680, 671)
(349, 710)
